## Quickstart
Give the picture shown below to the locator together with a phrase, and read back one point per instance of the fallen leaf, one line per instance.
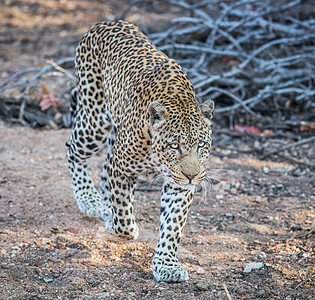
(250, 129)
(307, 127)
(48, 98)
(267, 132)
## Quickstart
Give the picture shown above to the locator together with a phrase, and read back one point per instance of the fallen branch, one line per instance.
(297, 161)
(271, 56)
(31, 82)
(289, 146)
(299, 235)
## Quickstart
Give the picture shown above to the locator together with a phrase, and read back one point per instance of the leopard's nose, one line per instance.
(190, 176)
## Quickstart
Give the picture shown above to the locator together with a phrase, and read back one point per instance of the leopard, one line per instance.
(133, 100)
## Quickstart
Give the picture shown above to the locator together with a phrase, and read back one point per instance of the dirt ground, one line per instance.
(51, 251)
(257, 211)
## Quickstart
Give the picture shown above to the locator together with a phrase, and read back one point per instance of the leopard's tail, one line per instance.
(73, 104)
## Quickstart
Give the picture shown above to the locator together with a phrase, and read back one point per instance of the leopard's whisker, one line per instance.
(155, 178)
(210, 175)
(206, 187)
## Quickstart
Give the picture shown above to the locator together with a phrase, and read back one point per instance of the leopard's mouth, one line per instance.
(179, 178)
(183, 180)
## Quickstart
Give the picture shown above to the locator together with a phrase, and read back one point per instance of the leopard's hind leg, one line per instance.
(87, 137)
(91, 125)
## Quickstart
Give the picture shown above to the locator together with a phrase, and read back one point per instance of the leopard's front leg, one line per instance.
(175, 204)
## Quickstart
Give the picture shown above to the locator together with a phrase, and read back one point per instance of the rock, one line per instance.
(200, 271)
(45, 240)
(63, 254)
(253, 266)
(261, 255)
(265, 170)
(261, 293)
(263, 229)
(202, 285)
(61, 242)
(202, 262)
(74, 230)
(56, 230)
(102, 229)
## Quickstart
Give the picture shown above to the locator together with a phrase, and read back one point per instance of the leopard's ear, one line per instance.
(207, 109)
(157, 114)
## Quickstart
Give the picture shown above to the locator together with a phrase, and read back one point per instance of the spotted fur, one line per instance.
(133, 97)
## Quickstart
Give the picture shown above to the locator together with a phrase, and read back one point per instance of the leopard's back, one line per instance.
(114, 61)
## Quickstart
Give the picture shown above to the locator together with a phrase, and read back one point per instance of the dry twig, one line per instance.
(17, 79)
(306, 234)
(291, 145)
(227, 291)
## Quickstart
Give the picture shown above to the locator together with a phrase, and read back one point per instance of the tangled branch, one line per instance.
(18, 79)
(35, 113)
(250, 56)
(244, 52)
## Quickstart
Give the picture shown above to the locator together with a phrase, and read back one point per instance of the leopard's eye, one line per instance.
(174, 146)
(202, 144)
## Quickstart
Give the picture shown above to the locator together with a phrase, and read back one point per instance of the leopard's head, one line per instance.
(181, 138)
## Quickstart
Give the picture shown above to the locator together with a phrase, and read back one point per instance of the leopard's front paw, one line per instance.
(107, 217)
(135, 233)
(131, 233)
(91, 205)
(168, 273)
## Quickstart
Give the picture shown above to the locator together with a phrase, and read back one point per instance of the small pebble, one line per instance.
(200, 271)
(265, 170)
(74, 230)
(261, 292)
(253, 266)
(202, 285)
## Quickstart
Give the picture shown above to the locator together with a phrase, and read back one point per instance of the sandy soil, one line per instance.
(49, 250)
